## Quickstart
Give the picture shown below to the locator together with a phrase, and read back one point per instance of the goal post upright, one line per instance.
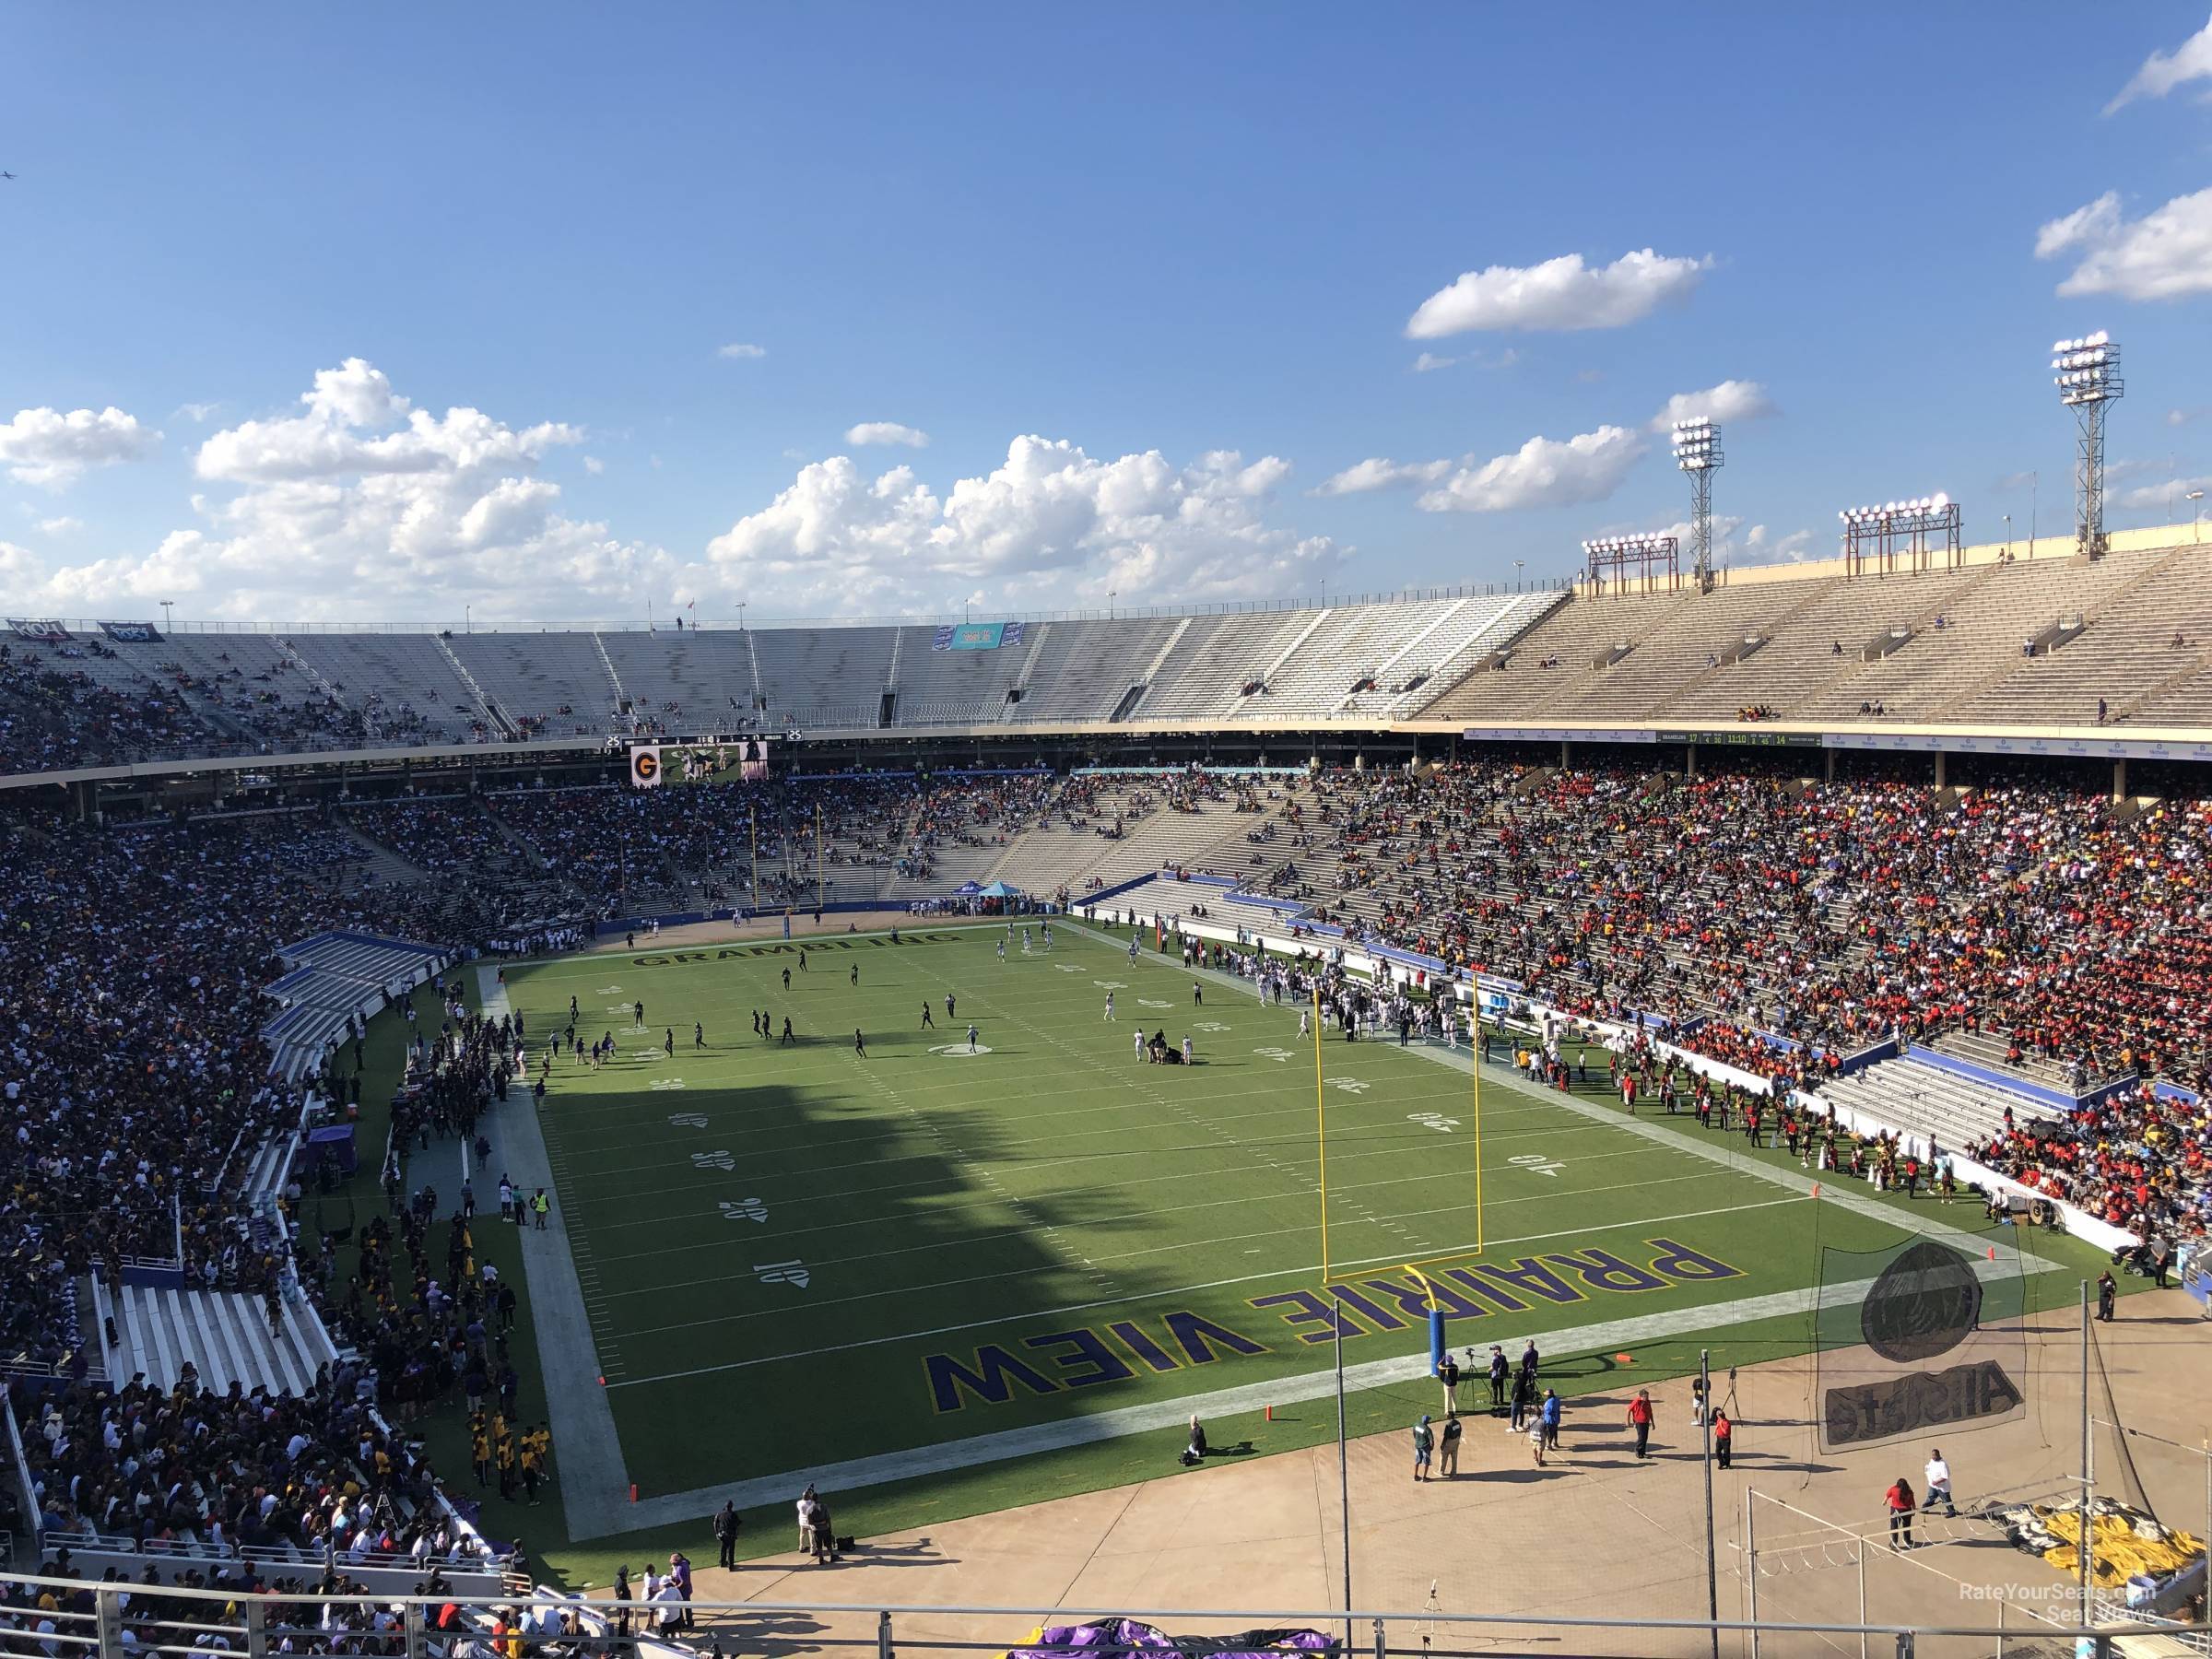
(1320, 1139)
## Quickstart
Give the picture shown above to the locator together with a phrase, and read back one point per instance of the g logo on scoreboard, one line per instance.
(645, 765)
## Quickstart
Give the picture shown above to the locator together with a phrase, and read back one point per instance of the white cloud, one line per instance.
(198, 413)
(53, 450)
(1732, 400)
(2164, 496)
(1429, 362)
(887, 431)
(1051, 525)
(2165, 254)
(742, 351)
(1761, 545)
(61, 527)
(359, 507)
(593, 464)
(2091, 223)
(2019, 480)
(1379, 472)
(2180, 417)
(2162, 72)
(1544, 472)
(1561, 293)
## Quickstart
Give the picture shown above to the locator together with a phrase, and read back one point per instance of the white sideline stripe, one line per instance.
(1155, 1415)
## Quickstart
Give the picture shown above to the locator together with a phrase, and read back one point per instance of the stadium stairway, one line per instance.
(221, 1334)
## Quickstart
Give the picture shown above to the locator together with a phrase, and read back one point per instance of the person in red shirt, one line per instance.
(1902, 1505)
(1639, 1420)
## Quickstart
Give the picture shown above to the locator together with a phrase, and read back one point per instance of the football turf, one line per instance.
(828, 1256)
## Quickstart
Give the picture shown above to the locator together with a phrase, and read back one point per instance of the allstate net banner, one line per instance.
(1917, 1339)
(977, 636)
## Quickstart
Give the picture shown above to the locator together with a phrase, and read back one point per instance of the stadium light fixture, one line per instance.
(1697, 445)
(2087, 373)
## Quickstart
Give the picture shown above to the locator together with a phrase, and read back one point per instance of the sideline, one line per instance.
(587, 1452)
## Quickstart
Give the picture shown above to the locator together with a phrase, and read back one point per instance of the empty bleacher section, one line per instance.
(2139, 637)
(696, 680)
(1204, 676)
(1950, 1109)
(1083, 671)
(823, 677)
(1979, 641)
(549, 685)
(1825, 643)
(331, 978)
(405, 684)
(1547, 669)
(936, 686)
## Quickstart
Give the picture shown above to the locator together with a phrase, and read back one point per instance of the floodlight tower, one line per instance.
(2087, 373)
(1698, 453)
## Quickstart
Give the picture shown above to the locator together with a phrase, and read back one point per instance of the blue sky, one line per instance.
(1184, 244)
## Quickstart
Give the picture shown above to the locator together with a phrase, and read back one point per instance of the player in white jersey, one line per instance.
(1109, 1005)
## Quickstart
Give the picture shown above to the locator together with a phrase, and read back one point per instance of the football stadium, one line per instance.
(1092, 1072)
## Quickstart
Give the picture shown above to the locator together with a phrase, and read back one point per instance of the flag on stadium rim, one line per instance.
(645, 765)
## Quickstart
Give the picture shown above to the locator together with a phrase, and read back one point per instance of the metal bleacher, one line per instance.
(224, 1334)
(332, 976)
(1926, 1099)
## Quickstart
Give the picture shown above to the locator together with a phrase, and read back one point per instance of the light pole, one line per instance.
(168, 609)
(468, 617)
(1697, 453)
(2009, 535)
(2196, 514)
(2088, 378)
(1517, 564)
(1111, 593)
(741, 605)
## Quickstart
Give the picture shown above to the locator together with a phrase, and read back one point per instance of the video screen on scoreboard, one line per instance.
(715, 760)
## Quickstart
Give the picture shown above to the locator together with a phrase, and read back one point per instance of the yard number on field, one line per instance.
(687, 1120)
(1433, 1119)
(1275, 1053)
(718, 1160)
(668, 1082)
(1350, 1084)
(744, 1209)
(1537, 1163)
(782, 1272)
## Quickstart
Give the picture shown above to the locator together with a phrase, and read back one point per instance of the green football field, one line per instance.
(829, 1257)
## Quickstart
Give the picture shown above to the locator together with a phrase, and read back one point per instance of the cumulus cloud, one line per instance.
(52, 449)
(1544, 472)
(2166, 255)
(1562, 294)
(2162, 72)
(1762, 546)
(742, 351)
(1379, 472)
(1050, 523)
(199, 414)
(1429, 362)
(64, 526)
(887, 433)
(593, 464)
(2170, 495)
(1732, 400)
(359, 506)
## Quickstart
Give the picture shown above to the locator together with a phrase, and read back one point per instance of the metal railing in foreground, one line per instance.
(129, 1621)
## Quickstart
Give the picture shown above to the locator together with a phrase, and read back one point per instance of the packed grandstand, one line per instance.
(1977, 933)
